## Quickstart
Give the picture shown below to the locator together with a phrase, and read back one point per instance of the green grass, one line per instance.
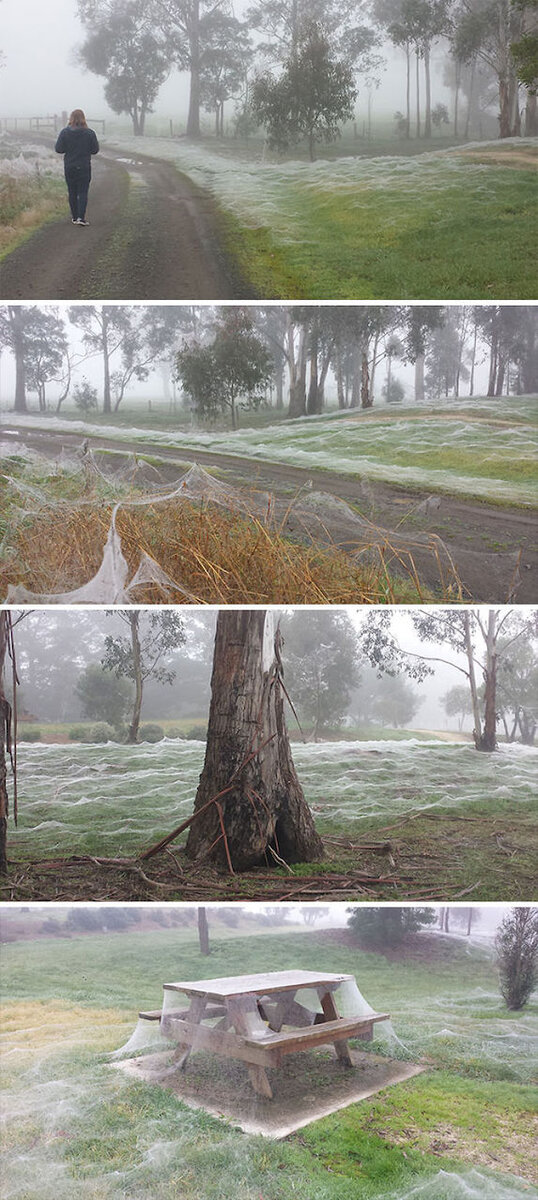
(465, 241)
(456, 819)
(79, 1128)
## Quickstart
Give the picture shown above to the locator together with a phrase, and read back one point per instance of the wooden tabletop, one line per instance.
(259, 985)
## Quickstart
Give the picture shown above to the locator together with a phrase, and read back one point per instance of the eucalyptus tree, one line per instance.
(346, 25)
(420, 321)
(139, 655)
(124, 46)
(486, 30)
(249, 806)
(313, 95)
(224, 65)
(481, 638)
(118, 334)
(35, 335)
(190, 30)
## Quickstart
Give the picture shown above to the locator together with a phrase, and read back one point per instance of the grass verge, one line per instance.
(27, 204)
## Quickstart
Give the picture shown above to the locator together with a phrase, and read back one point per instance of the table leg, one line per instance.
(194, 1016)
(239, 1012)
(330, 1013)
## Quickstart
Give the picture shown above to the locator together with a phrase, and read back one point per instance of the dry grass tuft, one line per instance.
(217, 556)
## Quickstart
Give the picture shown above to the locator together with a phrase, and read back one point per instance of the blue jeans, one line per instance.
(78, 183)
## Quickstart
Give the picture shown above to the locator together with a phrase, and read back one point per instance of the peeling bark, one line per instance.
(248, 763)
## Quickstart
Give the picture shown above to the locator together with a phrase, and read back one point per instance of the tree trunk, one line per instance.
(248, 765)
(407, 91)
(132, 736)
(428, 116)
(107, 405)
(5, 721)
(297, 406)
(419, 377)
(531, 115)
(470, 100)
(313, 406)
(472, 682)
(418, 90)
(473, 362)
(340, 390)
(203, 931)
(16, 318)
(193, 119)
(366, 399)
(488, 738)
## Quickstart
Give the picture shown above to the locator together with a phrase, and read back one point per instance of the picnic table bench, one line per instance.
(250, 1012)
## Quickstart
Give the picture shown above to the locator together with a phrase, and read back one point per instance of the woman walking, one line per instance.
(77, 143)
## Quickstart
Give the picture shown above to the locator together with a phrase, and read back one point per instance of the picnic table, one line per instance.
(259, 1019)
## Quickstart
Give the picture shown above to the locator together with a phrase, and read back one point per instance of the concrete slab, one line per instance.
(306, 1087)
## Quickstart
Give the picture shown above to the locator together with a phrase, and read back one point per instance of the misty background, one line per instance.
(54, 649)
(41, 74)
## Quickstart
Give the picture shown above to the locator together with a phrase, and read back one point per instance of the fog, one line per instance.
(54, 647)
(41, 75)
(158, 386)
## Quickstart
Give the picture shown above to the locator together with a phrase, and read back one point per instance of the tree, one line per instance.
(35, 336)
(284, 23)
(6, 742)
(457, 703)
(224, 65)
(517, 956)
(313, 95)
(482, 637)
(486, 30)
(249, 806)
(203, 931)
(234, 368)
(152, 635)
(517, 690)
(421, 321)
(102, 697)
(116, 330)
(525, 54)
(124, 47)
(85, 396)
(382, 928)
(46, 349)
(322, 656)
(188, 27)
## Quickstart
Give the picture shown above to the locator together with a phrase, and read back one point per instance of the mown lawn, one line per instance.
(77, 1127)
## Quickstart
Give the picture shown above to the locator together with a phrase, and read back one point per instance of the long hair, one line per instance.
(77, 118)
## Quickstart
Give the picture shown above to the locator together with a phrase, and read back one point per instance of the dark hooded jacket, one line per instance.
(77, 143)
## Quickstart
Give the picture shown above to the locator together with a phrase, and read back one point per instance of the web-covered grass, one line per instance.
(74, 1126)
(116, 800)
(439, 225)
(32, 190)
(471, 448)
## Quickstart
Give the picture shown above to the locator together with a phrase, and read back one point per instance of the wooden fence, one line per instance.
(52, 122)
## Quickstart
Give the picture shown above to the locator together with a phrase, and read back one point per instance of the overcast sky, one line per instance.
(41, 75)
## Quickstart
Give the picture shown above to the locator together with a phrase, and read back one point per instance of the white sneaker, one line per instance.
(79, 221)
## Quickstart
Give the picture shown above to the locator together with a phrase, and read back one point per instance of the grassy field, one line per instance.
(458, 820)
(451, 224)
(478, 448)
(75, 1126)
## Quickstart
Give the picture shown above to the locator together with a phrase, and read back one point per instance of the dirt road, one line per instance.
(152, 236)
(484, 540)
